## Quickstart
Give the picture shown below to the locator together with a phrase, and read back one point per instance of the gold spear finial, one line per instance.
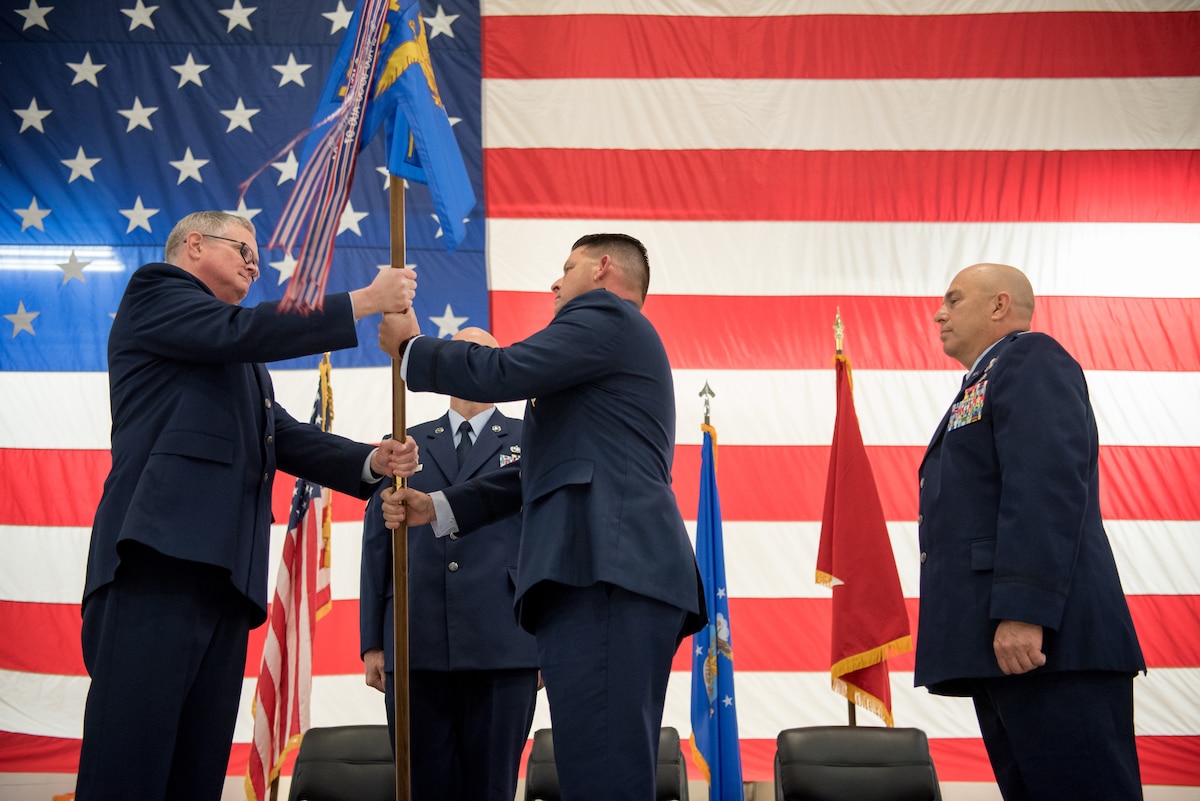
(838, 330)
(707, 393)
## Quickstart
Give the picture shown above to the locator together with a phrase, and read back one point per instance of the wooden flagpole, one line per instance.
(400, 535)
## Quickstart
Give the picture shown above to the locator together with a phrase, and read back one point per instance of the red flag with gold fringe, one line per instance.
(855, 559)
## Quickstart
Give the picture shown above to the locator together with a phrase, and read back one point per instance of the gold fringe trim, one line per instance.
(871, 657)
(273, 775)
(326, 368)
(325, 610)
(699, 759)
(825, 579)
(860, 697)
(325, 548)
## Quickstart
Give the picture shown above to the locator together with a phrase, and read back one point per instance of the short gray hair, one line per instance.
(204, 222)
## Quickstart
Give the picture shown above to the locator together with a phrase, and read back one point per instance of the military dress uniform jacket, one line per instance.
(1009, 523)
(461, 589)
(196, 433)
(594, 482)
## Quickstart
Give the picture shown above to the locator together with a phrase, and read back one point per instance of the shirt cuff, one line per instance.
(369, 476)
(404, 349)
(443, 523)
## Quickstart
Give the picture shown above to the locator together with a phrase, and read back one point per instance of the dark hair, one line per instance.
(628, 253)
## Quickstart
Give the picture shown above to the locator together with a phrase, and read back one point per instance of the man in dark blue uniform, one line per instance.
(473, 676)
(177, 567)
(1021, 605)
(606, 579)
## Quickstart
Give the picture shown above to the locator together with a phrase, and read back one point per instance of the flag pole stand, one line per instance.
(851, 712)
(400, 658)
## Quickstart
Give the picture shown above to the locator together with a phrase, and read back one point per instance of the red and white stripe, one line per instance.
(778, 168)
(282, 700)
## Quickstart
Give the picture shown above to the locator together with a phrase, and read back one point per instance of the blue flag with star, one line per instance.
(714, 708)
(121, 117)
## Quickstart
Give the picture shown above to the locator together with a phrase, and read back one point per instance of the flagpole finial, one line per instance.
(707, 393)
(838, 330)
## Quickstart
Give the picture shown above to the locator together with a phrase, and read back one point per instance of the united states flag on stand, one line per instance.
(282, 708)
(776, 165)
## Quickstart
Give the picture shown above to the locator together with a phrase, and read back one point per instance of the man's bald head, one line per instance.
(478, 336)
(996, 278)
(984, 303)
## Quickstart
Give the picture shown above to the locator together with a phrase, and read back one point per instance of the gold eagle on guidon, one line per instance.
(412, 51)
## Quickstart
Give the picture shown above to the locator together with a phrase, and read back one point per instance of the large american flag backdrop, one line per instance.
(817, 155)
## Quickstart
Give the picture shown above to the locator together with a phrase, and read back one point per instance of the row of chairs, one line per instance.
(814, 763)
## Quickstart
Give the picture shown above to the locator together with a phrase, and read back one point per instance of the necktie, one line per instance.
(464, 442)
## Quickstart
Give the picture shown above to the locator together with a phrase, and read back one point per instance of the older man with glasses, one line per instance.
(177, 569)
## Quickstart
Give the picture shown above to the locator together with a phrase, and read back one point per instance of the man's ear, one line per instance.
(1001, 305)
(603, 267)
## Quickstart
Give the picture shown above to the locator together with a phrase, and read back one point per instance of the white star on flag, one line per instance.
(287, 168)
(81, 166)
(448, 324)
(189, 71)
(440, 23)
(35, 15)
(350, 219)
(286, 267)
(140, 15)
(32, 117)
(22, 320)
(243, 211)
(86, 70)
(138, 116)
(139, 216)
(73, 268)
(239, 116)
(189, 167)
(32, 217)
(238, 16)
(291, 72)
(340, 18)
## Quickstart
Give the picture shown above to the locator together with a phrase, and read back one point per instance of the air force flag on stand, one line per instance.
(714, 712)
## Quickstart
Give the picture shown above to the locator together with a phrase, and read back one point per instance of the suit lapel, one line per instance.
(438, 446)
(974, 378)
(487, 446)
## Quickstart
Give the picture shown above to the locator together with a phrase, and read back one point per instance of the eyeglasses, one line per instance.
(243, 250)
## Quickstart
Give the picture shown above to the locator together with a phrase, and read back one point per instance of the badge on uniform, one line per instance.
(970, 408)
(513, 455)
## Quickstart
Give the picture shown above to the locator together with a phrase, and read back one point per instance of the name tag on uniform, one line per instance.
(970, 408)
